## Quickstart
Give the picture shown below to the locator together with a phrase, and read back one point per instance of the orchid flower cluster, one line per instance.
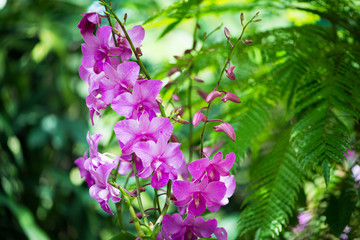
(144, 136)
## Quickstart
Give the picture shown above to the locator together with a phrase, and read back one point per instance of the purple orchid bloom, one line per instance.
(98, 50)
(190, 228)
(161, 158)
(94, 105)
(214, 169)
(84, 173)
(142, 99)
(102, 191)
(96, 169)
(88, 24)
(198, 196)
(131, 131)
(230, 184)
(118, 80)
(136, 34)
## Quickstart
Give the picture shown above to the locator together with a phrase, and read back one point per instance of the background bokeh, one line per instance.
(44, 119)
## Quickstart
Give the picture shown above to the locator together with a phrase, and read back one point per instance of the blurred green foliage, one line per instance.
(305, 53)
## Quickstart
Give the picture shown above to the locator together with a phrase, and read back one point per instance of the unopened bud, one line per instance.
(116, 32)
(230, 97)
(139, 52)
(173, 70)
(227, 33)
(198, 117)
(182, 121)
(125, 17)
(227, 129)
(158, 99)
(198, 79)
(172, 197)
(139, 216)
(175, 97)
(188, 51)
(202, 93)
(212, 95)
(178, 57)
(142, 189)
(169, 84)
(174, 138)
(258, 20)
(242, 18)
(248, 42)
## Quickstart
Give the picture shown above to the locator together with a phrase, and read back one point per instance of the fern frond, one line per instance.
(276, 180)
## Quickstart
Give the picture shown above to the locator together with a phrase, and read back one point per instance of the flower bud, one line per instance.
(174, 138)
(230, 72)
(227, 129)
(198, 79)
(212, 95)
(139, 216)
(182, 121)
(248, 42)
(175, 97)
(202, 93)
(231, 97)
(227, 33)
(242, 18)
(173, 70)
(198, 117)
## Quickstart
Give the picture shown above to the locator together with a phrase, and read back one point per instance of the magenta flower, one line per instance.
(84, 173)
(131, 131)
(230, 72)
(88, 23)
(356, 172)
(142, 99)
(118, 80)
(94, 105)
(226, 128)
(213, 169)
(161, 159)
(136, 34)
(304, 217)
(98, 50)
(221, 234)
(198, 196)
(198, 117)
(83, 162)
(102, 191)
(230, 184)
(190, 228)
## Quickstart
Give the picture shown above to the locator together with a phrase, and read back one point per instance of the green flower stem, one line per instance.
(156, 202)
(166, 207)
(220, 77)
(112, 32)
(138, 197)
(110, 10)
(119, 204)
(131, 209)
